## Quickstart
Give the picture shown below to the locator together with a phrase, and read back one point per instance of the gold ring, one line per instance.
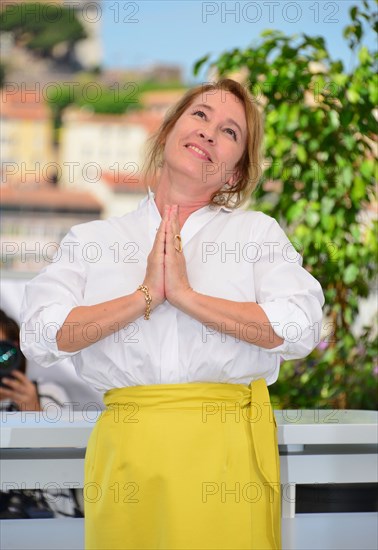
(179, 247)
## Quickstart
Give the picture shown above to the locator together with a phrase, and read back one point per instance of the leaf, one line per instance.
(282, 145)
(373, 92)
(351, 251)
(350, 144)
(296, 210)
(353, 95)
(363, 55)
(289, 53)
(338, 77)
(302, 232)
(313, 145)
(358, 190)
(198, 64)
(303, 120)
(347, 176)
(350, 274)
(312, 218)
(327, 222)
(346, 117)
(301, 153)
(367, 168)
(355, 232)
(340, 219)
(334, 119)
(353, 13)
(267, 32)
(327, 204)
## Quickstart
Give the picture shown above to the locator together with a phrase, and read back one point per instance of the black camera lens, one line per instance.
(10, 358)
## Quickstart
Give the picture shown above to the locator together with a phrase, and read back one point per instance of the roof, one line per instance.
(24, 102)
(48, 199)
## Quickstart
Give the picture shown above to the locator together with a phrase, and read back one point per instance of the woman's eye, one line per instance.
(201, 114)
(231, 132)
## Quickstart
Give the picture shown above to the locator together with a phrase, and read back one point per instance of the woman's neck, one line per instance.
(168, 194)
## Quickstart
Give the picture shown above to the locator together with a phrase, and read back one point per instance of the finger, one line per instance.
(166, 218)
(163, 220)
(175, 224)
(173, 228)
(19, 375)
(10, 383)
(16, 386)
(174, 245)
(7, 394)
(169, 233)
(160, 235)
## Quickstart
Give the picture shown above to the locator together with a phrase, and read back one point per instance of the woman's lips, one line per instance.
(198, 151)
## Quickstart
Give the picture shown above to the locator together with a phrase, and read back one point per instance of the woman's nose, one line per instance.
(206, 135)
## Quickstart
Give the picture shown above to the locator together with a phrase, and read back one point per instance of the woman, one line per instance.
(180, 312)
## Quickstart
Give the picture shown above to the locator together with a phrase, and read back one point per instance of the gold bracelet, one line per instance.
(147, 297)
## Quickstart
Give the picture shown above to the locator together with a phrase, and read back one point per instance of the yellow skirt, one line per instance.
(184, 467)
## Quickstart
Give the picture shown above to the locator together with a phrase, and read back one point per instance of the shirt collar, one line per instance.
(151, 198)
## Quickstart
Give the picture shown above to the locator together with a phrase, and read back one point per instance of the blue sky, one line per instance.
(141, 33)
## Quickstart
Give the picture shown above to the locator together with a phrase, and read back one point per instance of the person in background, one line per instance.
(19, 393)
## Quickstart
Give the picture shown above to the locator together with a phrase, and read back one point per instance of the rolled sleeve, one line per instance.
(290, 296)
(48, 300)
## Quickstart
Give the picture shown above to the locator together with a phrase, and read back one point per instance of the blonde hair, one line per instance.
(247, 168)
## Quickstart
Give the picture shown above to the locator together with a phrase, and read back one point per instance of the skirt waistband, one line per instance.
(175, 396)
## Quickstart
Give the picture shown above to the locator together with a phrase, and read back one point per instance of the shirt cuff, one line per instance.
(291, 324)
(38, 341)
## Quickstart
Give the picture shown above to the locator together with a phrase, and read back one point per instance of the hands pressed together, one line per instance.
(166, 275)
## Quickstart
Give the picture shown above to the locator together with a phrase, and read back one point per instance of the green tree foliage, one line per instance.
(40, 27)
(94, 96)
(320, 123)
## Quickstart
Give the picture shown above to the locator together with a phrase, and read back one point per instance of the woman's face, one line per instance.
(208, 140)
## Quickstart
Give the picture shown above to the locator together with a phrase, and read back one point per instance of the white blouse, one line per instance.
(238, 255)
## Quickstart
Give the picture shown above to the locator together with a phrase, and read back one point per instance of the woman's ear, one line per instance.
(234, 178)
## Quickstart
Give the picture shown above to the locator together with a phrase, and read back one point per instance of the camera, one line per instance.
(10, 359)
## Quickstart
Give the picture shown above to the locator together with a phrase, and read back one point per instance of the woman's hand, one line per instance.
(21, 391)
(154, 278)
(166, 276)
(177, 285)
